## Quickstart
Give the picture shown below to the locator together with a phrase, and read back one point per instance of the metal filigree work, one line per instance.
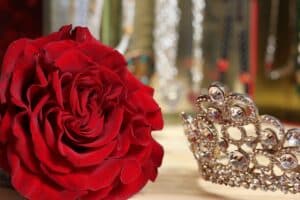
(236, 146)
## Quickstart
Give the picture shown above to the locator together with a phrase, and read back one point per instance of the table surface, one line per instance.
(178, 178)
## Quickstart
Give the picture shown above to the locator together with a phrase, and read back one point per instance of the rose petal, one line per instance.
(155, 119)
(110, 130)
(35, 187)
(93, 126)
(82, 34)
(49, 134)
(62, 34)
(54, 49)
(123, 143)
(150, 170)
(90, 158)
(130, 171)
(98, 194)
(141, 134)
(157, 153)
(73, 61)
(23, 144)
(105, 56)
(140, 153)
(145, 103)
(22, 77)
(74, 100)
(50, 159)
(52, 128)
(101, 177)
(56, 84)
(37, 97)
(12, 54)
(5, 125)
(40, 75)
(124, 191)
(133, 84)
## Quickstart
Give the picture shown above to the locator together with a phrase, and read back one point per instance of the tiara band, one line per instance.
(236, 146)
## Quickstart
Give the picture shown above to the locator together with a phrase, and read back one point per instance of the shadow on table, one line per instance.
(183, 183)
(172, 181)
(9, 194)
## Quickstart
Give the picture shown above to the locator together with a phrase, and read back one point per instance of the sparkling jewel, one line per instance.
(215, 93)
(237, 113)
(250, 141)
(213, 114)
(296, 177)
(268, 139)
(187, 118)
(288, 161)
(238, 160)
(203, 152)
(193, 135)
(297, 187)
(255, 183)
(223, 144)
(207, 134)
(283, 180)
(293, 137)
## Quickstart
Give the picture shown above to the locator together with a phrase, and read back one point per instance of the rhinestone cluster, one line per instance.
(266, 156)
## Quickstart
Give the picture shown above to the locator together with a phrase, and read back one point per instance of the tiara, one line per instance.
(236, 146)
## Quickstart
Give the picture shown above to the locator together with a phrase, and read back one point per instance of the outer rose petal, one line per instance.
(100, 194)
(82, 34)
(12, 55)
(134, 84)
(124, 140)
(53, 50)
(130, 171)
(124, 191)
(150, 170)
(23, 144)
(62, 34)
(5, 126)
(88, 179)
(105, 56)
(140, 101)
(43, 153)
(156, 120)
(157, 154)
(34, 187)
(91, 158)
(73, 61)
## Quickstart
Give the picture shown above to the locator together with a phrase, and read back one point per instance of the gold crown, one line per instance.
(236, 146)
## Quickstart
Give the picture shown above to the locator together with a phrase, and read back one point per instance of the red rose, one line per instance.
(74, 122)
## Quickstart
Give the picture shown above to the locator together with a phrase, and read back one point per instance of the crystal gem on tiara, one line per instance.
(238, 160)
(237, 113)
(293, 136)
(213, 114)
(288, 161)
(268, 139)
(216, 93)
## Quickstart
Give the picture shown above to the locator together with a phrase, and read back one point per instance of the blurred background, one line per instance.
(180, 46)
